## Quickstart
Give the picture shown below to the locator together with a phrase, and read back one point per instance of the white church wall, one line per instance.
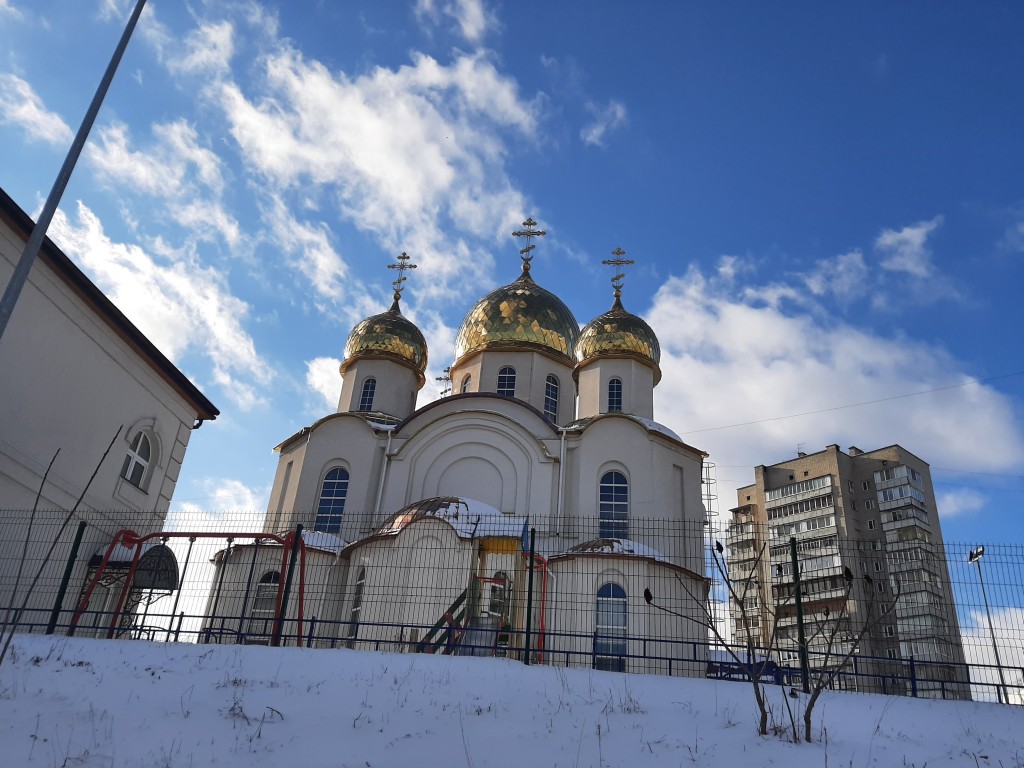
(637, 387)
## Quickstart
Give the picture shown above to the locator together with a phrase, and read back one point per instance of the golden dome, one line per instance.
(617, 333)
(521, 314)
(388, 335)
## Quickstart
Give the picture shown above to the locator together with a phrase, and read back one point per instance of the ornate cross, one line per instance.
(529, 232)
(402, 265)
(618, 261)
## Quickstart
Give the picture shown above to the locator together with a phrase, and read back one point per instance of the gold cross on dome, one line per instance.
(618, 261)
(402, 265)
(529, 232)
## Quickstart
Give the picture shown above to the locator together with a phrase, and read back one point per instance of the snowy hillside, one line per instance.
(71, 702)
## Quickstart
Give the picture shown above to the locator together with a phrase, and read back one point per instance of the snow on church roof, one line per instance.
(616, 547)
(469, 518)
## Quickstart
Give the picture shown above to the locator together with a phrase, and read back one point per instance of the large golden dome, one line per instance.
(519, 315)
(617, 333)
(388, 335)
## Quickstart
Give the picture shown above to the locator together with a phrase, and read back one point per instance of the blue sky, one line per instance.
(824, 203)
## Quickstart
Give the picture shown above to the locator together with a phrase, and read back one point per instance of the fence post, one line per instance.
(66, 579)
(529, 598)
(220, 586)
(279, 624)
(801, 637)
(913, 677)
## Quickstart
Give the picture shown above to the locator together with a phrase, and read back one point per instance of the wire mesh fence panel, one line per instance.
(901, 616)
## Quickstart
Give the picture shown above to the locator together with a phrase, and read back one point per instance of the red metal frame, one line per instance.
(132, 540)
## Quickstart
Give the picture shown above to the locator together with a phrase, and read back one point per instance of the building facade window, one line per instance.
(615, 396)
(614, 506)
(137, 460)
(329, 510)
(551, 398)
(366, 397)
(357, 608)
(507, 381)
(466, 381)
(610, 629)
(264, 604)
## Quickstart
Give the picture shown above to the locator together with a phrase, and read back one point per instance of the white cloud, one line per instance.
(10, 10)
(207, 50)
(728, 360)
(311, 247)
(470, 16)
(606, 119)
(181, 306)
(959, 501)
(20, 105)
(322, 377)
(977, 642)
(176, 168)
(406, 152)
(906, 250)
(846, 277)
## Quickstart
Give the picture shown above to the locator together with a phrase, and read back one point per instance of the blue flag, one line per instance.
(526, 535)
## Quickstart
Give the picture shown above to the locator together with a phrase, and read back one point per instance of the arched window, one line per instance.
(610, 629)
(332, 501)
(264, 601)
(366, 398)
(357, 608)
(551, 398)
(507, 381)
(136, 462)
(614, 506)
(615, 396)
(264, 606)
(466, 381)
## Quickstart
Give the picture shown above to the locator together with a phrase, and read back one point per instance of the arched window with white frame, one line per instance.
(614, 505)
(366, 396)
(615, 395)
(466, 381)
(137, 460)
(610, 623)
(507, 381)
(331, 507)
(551, 398)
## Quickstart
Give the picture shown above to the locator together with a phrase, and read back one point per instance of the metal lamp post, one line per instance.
(975, 557)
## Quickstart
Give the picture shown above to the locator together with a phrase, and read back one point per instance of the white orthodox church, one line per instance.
(415, 520)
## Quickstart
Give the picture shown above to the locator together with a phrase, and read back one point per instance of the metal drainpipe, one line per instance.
(383, 476)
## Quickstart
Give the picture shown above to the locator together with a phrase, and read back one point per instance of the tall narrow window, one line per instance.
(366, 398)
(615, 396)
(264, 605)
(610, 629)
(332, 501)
(466, 381)
(357, 608)
(136, 462)
(614, 506)
(551, 398)
(507, 381)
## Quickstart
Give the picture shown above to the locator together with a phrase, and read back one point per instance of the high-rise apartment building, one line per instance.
(873, 512)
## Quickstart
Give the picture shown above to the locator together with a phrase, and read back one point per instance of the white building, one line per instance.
(73, 369)
(415, 518)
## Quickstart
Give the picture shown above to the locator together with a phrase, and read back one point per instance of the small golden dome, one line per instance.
(388, 335)
(521, 314)
(617, 333)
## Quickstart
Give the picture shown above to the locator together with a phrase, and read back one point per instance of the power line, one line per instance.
(857, 405)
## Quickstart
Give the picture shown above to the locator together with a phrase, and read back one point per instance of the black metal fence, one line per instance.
(907, 617)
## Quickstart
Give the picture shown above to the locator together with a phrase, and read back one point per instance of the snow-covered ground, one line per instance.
(73, 702)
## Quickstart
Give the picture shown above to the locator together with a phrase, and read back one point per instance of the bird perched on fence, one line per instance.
(647, 595)
(719, 547)
(847, 574)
